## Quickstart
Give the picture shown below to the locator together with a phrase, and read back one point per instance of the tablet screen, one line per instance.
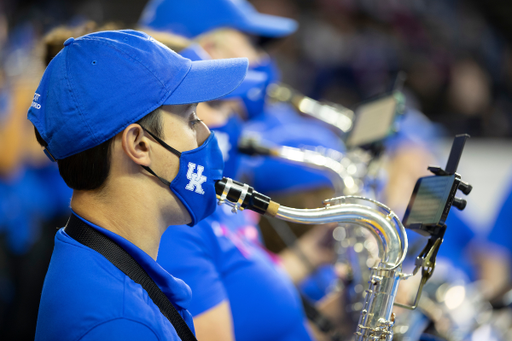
(429, 200)
(373, 121)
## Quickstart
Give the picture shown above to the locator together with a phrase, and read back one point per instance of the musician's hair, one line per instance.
(54, 40)
(88, 170)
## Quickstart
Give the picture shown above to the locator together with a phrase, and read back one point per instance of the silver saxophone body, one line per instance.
(377, 319)
(348, 172)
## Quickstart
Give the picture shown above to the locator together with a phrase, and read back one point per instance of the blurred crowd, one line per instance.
(459, 75)
(457, 61)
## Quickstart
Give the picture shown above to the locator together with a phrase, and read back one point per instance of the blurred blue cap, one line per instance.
(191, 18)
(273, 175)
(102, 82)
(254, 82)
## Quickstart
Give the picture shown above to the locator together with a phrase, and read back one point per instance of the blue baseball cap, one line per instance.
(254, 81)
(102, 82)
(191, 18)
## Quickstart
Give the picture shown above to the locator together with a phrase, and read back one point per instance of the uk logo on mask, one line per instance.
(196, 179)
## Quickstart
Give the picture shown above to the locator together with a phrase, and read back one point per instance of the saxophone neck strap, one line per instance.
(77, 229)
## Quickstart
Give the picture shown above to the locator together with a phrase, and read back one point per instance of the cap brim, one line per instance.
(208, 80)
(253, 80)
(266, 25)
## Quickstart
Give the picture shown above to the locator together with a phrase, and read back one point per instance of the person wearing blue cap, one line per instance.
(240, 290)
(174, 16)
(249, 296)
(111, 108)
(225, 29)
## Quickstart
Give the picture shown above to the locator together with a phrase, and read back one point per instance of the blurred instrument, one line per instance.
(346, 173)
(369, 123)
(335, 115)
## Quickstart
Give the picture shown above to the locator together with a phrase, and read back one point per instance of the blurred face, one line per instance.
(221, 44)
(229, 43)
(216, 113)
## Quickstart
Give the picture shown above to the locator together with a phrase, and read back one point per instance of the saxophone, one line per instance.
(348, 172)
(376, 319)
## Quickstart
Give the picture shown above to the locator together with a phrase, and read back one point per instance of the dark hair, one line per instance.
(89, 169)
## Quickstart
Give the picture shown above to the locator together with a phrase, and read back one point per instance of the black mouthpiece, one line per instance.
(233, 191)
(250, 146)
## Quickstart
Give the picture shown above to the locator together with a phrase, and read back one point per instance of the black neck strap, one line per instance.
(77, 229)
(165, 145)
(165, 182)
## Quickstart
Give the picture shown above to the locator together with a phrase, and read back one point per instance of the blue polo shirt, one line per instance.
(85, 297)
(221, 258)
(501, 232)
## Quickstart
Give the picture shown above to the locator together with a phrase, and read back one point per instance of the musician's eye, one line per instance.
(194, 122)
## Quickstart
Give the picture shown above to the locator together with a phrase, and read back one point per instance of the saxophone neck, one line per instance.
(387, 228)
(392, 244)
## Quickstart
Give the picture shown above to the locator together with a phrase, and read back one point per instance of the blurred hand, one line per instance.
(317, 245)
(312, 250)
(407, 165)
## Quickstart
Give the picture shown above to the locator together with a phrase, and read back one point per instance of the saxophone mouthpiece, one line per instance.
(241, 196)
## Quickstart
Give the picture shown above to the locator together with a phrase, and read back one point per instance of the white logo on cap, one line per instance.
(36, 98)
(196, 179)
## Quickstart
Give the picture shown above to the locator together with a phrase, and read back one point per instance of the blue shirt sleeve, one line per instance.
(501, 233)
(122, 330)
(414, 129)
(191, 254)
(455, 244)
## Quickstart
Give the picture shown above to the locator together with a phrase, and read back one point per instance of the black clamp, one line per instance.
(432, 191)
